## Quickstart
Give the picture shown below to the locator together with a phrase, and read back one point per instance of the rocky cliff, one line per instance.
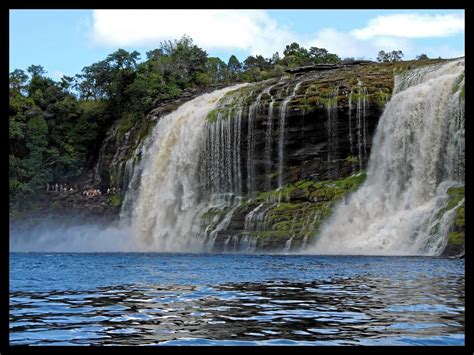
(283, 152)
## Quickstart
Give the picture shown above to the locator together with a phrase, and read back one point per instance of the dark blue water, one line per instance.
(169, 299)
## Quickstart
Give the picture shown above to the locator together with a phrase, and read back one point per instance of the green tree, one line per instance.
(18, 80)
(276, 58)
(422, 57)
(234, 65)
(396, 56)
(383, 57)
(36, 70)
(322, 56)
(217, 70)
(393, 56)
(37, 142)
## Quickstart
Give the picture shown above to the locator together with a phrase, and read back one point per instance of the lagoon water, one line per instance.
(234, 299)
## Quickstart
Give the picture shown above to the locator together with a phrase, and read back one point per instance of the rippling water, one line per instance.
(172, 299)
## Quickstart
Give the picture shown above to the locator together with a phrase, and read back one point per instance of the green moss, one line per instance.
(314, 203)
(456, 234)
(143, 132)
(380, 98)
(212, 115)
(125, 125)
(283, 226)
(456, 238)
(215, 212)
(456, 194)
(460, 218)
(458, 83)
(115, 200)
(267, 234)
(352, 159)
(360, 94)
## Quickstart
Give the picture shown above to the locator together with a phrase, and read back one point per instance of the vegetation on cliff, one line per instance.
(289, 215)
(56, 128)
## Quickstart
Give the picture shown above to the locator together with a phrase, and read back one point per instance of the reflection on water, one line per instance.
(363, 309)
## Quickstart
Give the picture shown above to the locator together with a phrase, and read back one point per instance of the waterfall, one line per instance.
(281, 142)
(351, 142)
(331, 108)
(361, 122)
(269, 138)
(166, 204)
(418, 153)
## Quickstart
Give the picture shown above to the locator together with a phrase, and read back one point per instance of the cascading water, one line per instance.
(268, 136)
(361, 106)
(418, 153)
(281, 143)
(331, 108)
(163, 214)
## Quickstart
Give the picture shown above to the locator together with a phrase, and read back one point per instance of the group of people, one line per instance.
(91, 192)
(112, 190)
(58, 187)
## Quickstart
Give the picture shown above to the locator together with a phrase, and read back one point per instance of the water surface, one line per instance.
(189, 299)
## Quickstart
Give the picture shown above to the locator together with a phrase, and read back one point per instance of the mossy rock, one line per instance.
(297, 215)
(456, 235)
(456, 238)
(125, 124)
(115, 200)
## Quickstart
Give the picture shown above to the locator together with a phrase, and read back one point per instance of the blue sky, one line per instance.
(64, 41)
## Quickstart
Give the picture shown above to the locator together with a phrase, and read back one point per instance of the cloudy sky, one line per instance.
(64, 41)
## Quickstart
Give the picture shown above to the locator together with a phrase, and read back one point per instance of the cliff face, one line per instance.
(307, 123)
(124, 142)
(305, 144)
(297, 144)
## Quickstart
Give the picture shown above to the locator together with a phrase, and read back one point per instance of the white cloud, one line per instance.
(345, 44)
(412, 26)
(392, 32)
(249, 30)
(256, 32)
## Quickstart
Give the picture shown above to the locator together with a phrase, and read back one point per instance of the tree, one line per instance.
(322, 56)
(256, 62)
(393, 56)
(234, 65)
(36, 142)
(36, 70)
(293, 49)
(396, 56)
(275, 58)
(383, 57)
(18, 80)
(422, 57)
(294, 55)
(179, 62)
(217, 70)
(121, 59)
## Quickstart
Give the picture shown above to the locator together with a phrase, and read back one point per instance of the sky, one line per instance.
(65, 41)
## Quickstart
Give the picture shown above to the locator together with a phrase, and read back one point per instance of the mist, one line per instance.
(72, 235)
